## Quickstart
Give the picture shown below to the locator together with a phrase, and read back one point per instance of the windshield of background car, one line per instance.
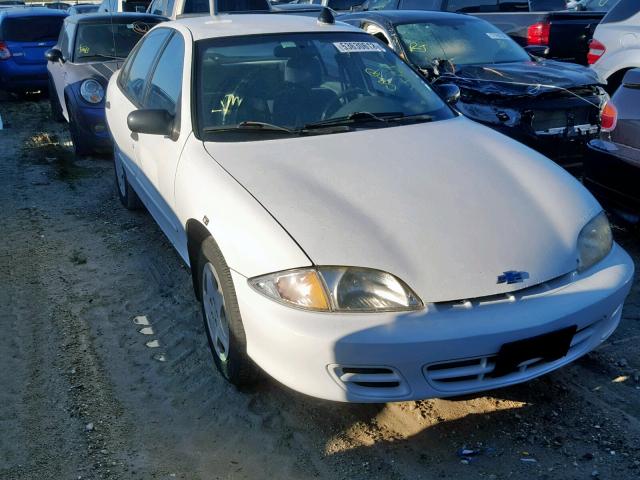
(461, 41)
(31, 29)
(139, 6)
(108, 41)
(296, 79)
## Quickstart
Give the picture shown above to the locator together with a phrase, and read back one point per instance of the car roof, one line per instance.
(406, 16)
(124, 17)
(224, 25)
(32, 12)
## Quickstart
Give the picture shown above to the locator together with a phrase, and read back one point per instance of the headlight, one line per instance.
(594, 242)
(338, 289)
(92, 91)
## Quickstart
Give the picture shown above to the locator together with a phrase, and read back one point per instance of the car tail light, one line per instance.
(596, 50)
(538, 33)
(608, 117)
(5, 53)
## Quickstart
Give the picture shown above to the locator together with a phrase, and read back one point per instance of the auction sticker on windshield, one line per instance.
(355, 47)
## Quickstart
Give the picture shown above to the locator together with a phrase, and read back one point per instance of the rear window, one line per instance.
(135, 6)
(31, 29)
(623, 10)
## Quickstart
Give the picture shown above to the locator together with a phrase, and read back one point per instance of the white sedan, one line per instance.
(347, 232)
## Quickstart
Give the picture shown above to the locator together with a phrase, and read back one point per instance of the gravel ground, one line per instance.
(106, 372)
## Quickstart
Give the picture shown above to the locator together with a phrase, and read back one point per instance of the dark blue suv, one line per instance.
(25, 35)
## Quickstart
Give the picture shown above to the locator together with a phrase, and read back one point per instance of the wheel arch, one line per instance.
(196, 234)
(614, 81)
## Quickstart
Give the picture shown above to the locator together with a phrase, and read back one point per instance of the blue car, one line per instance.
(25, 35)
(90, 48)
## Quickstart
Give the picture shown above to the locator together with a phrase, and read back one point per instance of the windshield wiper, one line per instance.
(251, 125)
(355, 117)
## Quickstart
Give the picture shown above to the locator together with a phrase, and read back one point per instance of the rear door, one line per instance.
(28, 38)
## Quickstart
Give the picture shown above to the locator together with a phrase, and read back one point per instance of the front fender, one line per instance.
(251, 240)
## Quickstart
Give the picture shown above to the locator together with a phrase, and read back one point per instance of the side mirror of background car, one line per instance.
(450, 92)
(54, 55)
(537, 50)
(152, 122)
(632, 79)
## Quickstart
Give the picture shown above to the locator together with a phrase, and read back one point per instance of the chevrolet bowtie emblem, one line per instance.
(512, 277)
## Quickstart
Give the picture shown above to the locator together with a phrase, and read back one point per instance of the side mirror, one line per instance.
(450, 92)
(632, 79)
(54, 55)
(152, 122)
(537, 50)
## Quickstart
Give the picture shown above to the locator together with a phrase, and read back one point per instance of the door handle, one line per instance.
(107, 104)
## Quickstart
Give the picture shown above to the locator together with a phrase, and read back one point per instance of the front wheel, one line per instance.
(221, 314)
(54, 101)
(80, 146)
(127, 195)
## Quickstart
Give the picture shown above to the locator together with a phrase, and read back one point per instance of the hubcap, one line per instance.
(215, 313)
(120, 175)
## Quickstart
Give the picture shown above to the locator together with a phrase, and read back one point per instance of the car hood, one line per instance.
(104, 70)
(522, 78)
(446, 206)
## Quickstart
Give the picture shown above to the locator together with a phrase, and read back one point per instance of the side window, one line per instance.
(63, 40)
(169, 10)
(157, 7)
(472, 6)
(138, 68)
(166, 83)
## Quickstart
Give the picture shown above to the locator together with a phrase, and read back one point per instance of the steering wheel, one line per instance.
(341, 100)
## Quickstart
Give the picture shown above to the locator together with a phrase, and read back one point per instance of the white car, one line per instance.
(615, 47)
(347, 232)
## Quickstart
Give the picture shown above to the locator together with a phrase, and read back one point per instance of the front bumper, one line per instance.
(612, 173)
(92, 125)
(392, 357)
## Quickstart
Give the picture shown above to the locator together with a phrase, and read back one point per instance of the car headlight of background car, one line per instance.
(338, 289)
(92, 91)
(594, 242)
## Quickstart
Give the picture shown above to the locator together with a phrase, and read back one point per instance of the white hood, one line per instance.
(445, 206)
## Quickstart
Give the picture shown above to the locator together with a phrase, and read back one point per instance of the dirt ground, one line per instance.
(105, 371)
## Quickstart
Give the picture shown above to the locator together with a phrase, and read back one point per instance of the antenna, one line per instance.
(213, 7)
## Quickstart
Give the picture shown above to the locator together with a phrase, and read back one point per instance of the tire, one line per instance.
(127, 195)
(80, 147)
(221, 316)
(54, 101)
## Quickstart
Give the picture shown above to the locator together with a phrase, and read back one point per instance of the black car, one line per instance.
(612, 166)
(551, 106)
(545, 23)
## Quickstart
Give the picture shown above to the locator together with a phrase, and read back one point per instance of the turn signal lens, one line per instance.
(596, 50)
(609, 117)
(302, 288)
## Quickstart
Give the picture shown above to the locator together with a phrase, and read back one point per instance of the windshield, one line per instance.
(31, 29)
(104, 41)
(299, 79)
(461, 41)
